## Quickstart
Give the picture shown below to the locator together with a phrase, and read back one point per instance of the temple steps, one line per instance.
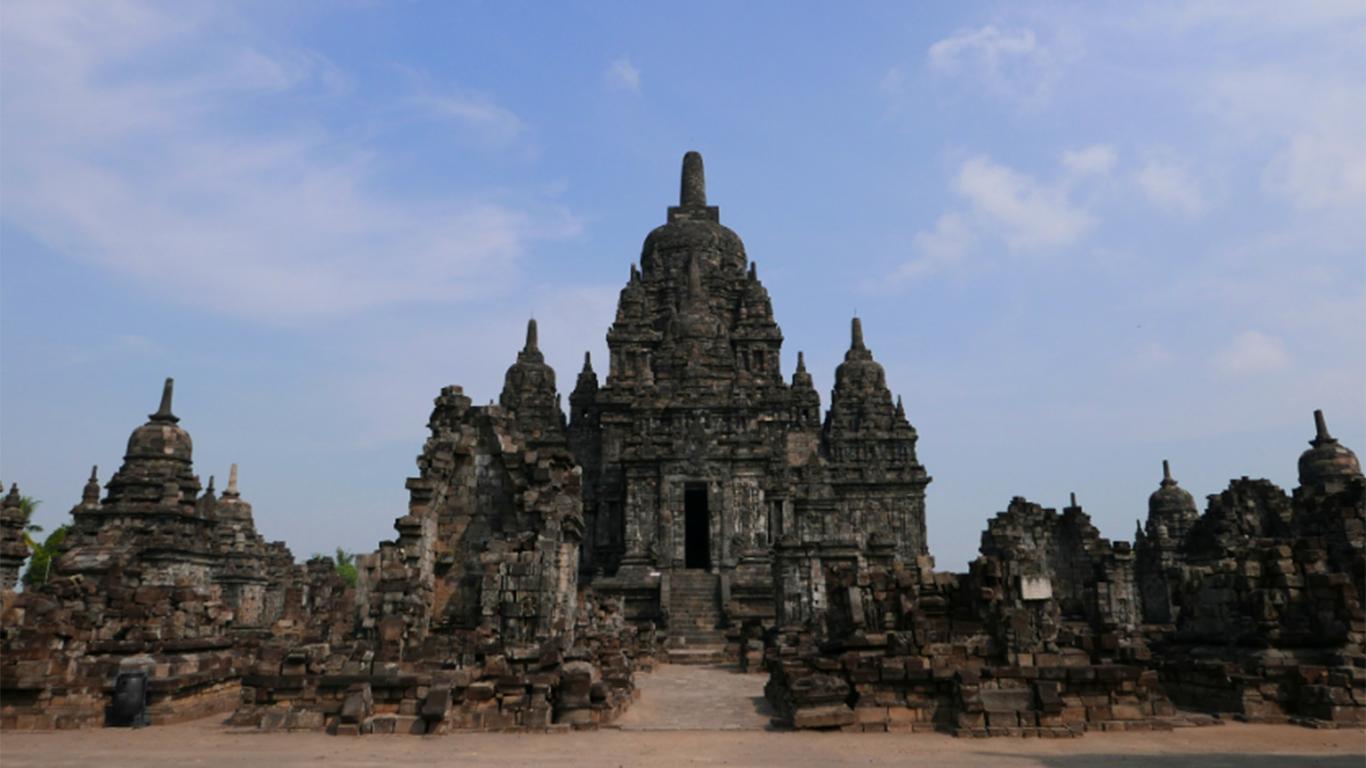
(694, 634)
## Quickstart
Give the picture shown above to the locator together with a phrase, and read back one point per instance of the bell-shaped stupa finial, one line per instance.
(693, 188)
(164, 410)
(232, 482)
(531, 335)
(1167, 480)
(1321, 430)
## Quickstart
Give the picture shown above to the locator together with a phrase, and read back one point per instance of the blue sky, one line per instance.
(1083, 237)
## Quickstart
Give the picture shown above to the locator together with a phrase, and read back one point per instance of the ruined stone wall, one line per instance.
(905, 649)
(1263, 604)
(13, 550)
(155, 576)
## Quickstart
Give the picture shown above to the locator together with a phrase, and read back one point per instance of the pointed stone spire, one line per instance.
(91, 493)
(1073, 498)
(164, 411)
(231, 491)
(801, 362)
(693, 186)
(754, 270)
(856, 334)
(900, 409)
(1167, 480)
(1321, 435)
(531, 352)
(587, 362)
(209, 491)
(12, 500)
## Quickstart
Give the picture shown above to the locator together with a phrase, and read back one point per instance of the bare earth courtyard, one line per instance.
(686, 716)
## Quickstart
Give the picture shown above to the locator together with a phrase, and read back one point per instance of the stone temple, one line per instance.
(695, 506)
(703, 466)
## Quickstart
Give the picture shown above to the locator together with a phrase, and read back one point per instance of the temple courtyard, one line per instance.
(687, 716)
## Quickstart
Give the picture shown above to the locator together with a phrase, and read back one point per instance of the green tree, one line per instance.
(344, 562)
(40, 562)
(346, 566)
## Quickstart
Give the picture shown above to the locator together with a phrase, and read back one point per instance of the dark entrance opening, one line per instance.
(696, 527)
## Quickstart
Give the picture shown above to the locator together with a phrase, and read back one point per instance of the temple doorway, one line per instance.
(696, 527)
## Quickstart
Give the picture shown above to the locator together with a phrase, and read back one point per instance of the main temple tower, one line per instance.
(699, 458)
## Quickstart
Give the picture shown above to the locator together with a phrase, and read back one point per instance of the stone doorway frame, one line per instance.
(697, 526)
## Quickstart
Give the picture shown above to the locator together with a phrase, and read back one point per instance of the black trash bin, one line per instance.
(129, 708)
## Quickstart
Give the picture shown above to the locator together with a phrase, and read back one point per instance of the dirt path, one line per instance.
(686, 716)
(685, 698)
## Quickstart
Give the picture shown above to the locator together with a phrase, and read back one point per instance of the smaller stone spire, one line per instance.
(1321, 435)
(91, 493)
(12, 500)
(231, 491)
(754, 270)
(856, 334)
(587, 362)
(209, 491)
(1167, 480)
(900, 409)
(1073, 499)
(531, 335)
(164, 411)
(693, 186)
(801, 362)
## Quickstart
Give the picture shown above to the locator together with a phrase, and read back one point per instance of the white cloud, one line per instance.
(112, 157)
(1252, 352)
(940, 248)
(1096, 159)
(471, 110)
(623, 75)
(1028, 214)
(1010, 62)
(1314, 121)
(1171, 187)
(988, 45)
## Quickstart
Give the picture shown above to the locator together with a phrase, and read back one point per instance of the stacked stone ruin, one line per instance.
(155, 576)
(697, 506)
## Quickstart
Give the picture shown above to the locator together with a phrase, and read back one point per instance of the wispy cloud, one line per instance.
(470, 110)
(622, 75)
(1252, 352)
(1011, 62)
(1096, 159)
(1170, 186)
(112, 157)
(1028, 214)
(938, 249)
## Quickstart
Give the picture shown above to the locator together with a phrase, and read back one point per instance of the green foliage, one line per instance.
(344, 562)
(346, 566)
(40, 562)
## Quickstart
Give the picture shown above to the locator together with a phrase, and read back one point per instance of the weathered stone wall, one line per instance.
(13, 550)
(1257, 604)
(156, 575)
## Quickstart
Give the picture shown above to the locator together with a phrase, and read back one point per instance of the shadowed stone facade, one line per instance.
(700, 458)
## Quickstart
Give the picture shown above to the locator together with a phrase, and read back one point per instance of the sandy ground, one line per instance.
(686, 717)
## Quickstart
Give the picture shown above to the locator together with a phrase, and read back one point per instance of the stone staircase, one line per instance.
(694, 616)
